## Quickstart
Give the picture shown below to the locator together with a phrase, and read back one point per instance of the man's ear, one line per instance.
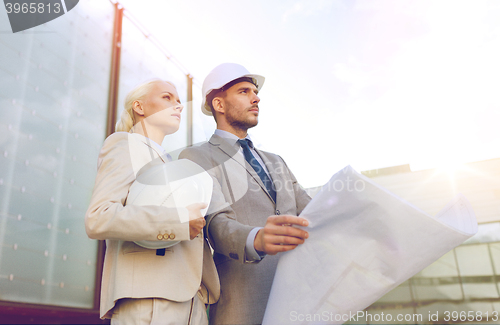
(138, 107)
(218, 104)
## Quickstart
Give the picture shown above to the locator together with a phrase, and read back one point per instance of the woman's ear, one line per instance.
(138, 107)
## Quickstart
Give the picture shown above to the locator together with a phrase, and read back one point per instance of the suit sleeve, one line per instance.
(109, 218)
(226, 235)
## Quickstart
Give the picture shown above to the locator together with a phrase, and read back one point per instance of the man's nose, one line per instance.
(255, 99)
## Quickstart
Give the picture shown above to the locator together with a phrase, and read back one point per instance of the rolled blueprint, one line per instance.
(363, 242)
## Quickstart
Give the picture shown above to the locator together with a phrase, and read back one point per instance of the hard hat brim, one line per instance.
(205, 108)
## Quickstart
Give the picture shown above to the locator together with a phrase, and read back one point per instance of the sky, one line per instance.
(365, 83)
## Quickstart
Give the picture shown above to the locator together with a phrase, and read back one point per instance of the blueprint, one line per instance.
(363, 242)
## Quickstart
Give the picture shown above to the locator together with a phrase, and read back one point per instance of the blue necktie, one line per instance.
(268, 183)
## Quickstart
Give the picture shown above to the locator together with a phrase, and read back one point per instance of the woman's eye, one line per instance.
(167, 97)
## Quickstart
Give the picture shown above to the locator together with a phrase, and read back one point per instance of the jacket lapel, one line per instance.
(232, 153)
(153, 149)
(272, 164)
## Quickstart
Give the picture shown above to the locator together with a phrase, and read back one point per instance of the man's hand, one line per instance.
(196, 220)
(278, 235)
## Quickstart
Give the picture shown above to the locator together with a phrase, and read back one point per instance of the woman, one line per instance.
(140, 285)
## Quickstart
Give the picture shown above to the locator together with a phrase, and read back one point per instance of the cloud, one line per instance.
(352, 74)
(310, 7)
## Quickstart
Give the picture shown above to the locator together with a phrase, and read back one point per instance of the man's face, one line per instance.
(241, 105)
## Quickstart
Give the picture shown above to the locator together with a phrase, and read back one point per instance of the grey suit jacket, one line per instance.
(131, 271)
(239, 203)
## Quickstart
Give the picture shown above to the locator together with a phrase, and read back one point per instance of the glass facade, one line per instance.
(55, 89)
(53, 93)
(461, 287)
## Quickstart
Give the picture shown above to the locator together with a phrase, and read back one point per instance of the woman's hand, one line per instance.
(196, 219)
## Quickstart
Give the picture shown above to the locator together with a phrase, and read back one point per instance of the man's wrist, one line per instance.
(251, 251)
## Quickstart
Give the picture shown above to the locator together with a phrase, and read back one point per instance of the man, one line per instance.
(252, 189)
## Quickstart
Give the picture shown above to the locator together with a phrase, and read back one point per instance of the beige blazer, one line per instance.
(130, 270)
(239, 203)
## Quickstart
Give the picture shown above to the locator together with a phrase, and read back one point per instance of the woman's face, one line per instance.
(162, 108)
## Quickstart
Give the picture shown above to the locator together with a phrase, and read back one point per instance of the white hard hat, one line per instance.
(222, 75)
(176, 184)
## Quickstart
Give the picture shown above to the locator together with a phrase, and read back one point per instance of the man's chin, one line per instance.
(251, 124)
(246, 124)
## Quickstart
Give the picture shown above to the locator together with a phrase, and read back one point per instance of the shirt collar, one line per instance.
(159, 149)
(229, 137)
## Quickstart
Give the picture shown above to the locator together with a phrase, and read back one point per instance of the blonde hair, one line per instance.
(127, 120)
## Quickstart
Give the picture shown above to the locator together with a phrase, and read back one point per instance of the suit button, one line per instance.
(278, 212)
(165, 237)
(159, 237)
(172, 236)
